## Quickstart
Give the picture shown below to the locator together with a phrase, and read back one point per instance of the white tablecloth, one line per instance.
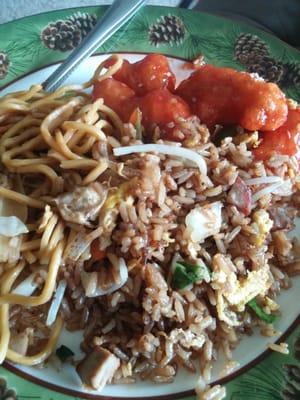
(12, 9)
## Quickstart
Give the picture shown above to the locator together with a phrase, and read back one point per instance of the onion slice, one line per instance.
(26, 287)
(285, 189)
(56, 302)
(12, 226)
(263, 180)
(175, 151)
(266, 190)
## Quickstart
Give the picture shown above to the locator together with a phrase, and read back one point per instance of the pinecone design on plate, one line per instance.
(168, 29)
(267, 68)
(291, 390)
(84, 22)
(4, 64)
(65, 35)
(61, 35)
(5, 393)
(248, 47)
(291, 77)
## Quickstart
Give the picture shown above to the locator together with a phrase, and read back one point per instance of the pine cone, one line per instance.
(5, 393)
(291, 77)
(168, 29)
(291, 390)
(267, 68)
(297, 348)
(61, 35)
(4, 64)
(84, 22)
(248, 46)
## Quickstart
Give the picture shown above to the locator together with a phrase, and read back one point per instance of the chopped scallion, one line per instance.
(64, 353)
(186, 273)
(268, 318)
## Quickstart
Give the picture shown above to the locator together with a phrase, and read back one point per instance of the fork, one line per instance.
(115, 17)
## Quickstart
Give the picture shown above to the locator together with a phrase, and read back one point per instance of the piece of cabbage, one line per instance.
(12, 219)
(205, 221)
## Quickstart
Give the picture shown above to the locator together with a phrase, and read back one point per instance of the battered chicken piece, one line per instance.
(159, 107)
(284, 140)
(150, 73)
(225, 96)
(83, 204)
(98, 368)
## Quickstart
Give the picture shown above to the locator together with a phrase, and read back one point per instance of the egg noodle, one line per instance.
(48, 134)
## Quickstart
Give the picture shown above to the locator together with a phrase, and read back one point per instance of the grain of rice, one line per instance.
(158, 232)
(217, 392)
(123, 211)
(183, 200)
(220, 245)
(189, 295)
(163, 379)
(161, 197)
(211, 297)
(276, 272)
(109, 327)
(213, 191)
(280, 348)
(268, 331)
(226, 349)
(229, 368)
(179, 310)
(231, 235)
(184, 177)
(208, 353)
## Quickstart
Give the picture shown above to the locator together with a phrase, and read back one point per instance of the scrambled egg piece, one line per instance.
(236, 292)
(264, 223)
(114, 198)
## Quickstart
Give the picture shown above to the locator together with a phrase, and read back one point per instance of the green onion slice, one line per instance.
(268, 318)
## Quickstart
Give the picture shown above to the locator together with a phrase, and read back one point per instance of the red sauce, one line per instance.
(225, 96)
(159, 107)
(284, 140)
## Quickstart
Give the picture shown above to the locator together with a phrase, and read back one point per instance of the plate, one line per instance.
(30, 49)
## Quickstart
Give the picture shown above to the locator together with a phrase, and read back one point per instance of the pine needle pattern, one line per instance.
(254, 54)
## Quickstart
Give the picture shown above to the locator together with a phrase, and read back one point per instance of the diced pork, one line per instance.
(83, 204)
(240, 195)
(98, 368)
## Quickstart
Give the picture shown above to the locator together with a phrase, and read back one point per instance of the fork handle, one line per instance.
(115, 17)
